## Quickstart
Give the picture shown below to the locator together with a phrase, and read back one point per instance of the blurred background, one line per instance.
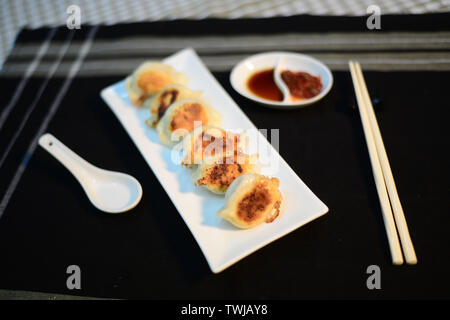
(16, 14)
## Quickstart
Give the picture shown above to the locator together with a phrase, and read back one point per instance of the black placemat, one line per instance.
(49, 224)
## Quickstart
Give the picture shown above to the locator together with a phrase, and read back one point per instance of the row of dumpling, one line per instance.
(217, 156)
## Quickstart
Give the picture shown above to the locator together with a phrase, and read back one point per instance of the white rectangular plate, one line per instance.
(221, 243)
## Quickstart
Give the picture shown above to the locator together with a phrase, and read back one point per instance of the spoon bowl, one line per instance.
(108, 191)
(114, 192)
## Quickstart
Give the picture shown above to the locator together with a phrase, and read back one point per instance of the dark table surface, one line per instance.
(149, 252)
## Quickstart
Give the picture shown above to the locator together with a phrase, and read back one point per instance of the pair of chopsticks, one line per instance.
(387, 192)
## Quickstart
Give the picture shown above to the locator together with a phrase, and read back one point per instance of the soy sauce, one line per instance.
(263, 85)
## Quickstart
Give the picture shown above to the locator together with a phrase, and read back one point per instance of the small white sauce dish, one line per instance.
(280, 61)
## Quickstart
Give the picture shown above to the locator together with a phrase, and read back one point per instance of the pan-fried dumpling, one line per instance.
(208, 141)
(183, 117)
(218, 173)
(250, 200)
(150, 78)
(159, 103)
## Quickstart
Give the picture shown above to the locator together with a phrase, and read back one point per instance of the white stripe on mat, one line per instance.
(30, 109)
(54, 107)
(123, 67)
(245, 43)
(32, 67)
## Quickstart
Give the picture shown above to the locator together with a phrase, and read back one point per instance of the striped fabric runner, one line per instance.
(68, 75)
(221, 44)
(376, 51)
(37, 13)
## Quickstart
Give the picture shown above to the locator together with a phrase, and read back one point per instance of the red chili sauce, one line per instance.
(302, 85)
(263, 85)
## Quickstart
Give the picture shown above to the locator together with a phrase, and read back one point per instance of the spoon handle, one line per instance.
(279, 66)
(74, 163)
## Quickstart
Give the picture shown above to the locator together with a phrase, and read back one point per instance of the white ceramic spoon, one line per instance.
(109, 191)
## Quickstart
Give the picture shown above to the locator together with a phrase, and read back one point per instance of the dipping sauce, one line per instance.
(302, 85)
(263, 85)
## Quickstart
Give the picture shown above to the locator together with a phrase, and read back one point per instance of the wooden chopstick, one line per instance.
(399, 216)
(391, 231)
